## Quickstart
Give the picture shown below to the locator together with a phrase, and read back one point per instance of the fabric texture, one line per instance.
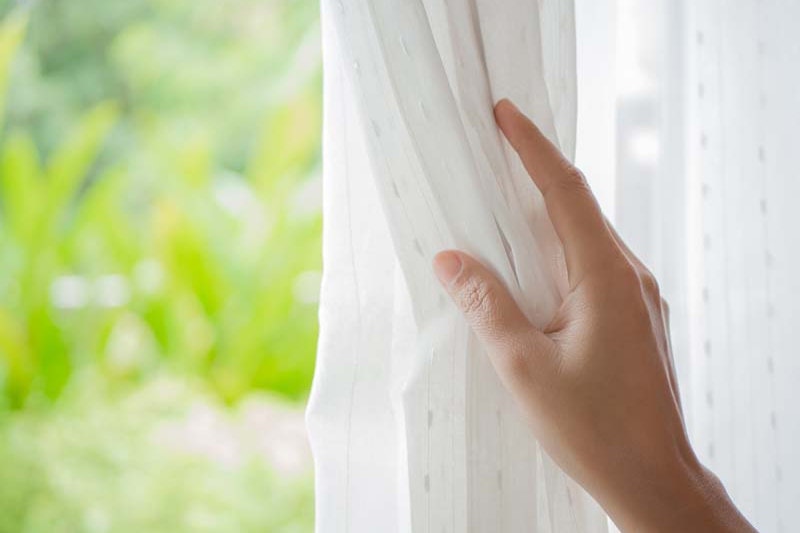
(689, 111)
(707, 109)
(410, 427)
(744, 109)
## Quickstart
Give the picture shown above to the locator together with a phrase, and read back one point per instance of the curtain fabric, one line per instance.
(689, 117)
(744, 109)
(410, 427)
(712, 208)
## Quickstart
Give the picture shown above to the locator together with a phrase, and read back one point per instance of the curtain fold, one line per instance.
(410, 427)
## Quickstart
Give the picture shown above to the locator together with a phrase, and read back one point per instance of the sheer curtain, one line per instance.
(687, 112)
(410, 427)
(743, 143)
(702, 99)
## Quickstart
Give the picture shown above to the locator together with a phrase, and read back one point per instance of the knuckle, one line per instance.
(476, 297)
(650, 285)
(609, 274)
(621, 279)
(624, 274)
(573, 180)
(665, 306)
(574, 174)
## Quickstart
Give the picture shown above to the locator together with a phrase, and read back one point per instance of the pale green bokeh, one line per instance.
(159, 231)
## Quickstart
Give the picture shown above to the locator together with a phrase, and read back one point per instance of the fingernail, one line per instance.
(447, 265)
(506, 101)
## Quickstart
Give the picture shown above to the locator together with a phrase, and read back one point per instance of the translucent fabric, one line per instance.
(707, 109)
(410, 427)
(744, 109)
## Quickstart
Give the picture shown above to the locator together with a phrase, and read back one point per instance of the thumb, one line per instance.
(513, 343)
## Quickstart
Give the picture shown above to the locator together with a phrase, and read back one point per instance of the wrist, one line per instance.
(679, 495)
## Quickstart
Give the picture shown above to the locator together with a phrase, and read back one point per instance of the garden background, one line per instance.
(159, 264)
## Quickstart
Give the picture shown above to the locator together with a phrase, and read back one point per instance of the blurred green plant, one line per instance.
(101, 464)
(148, 239)
(159, 223)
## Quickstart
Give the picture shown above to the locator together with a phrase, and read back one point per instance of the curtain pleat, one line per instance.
(410, 427)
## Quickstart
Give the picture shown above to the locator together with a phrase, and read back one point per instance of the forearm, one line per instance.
(687, 498)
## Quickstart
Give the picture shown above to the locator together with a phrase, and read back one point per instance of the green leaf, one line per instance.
(69, 167)
(15, 358)
(20, 187)
(288, 143)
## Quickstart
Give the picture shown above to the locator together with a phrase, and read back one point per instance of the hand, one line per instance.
(597, 384)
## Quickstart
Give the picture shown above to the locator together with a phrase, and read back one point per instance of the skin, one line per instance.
(597, 385)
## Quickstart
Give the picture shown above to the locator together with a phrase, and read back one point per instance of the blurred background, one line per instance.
(159, 263)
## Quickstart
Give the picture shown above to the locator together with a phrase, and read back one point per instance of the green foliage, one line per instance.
(12, 30)
(106, 462)
(159, 223)
(156, 211)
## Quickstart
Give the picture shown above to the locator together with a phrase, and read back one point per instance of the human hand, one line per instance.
(597, 384)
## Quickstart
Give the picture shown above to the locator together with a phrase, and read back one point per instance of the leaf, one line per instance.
(101, 235)
(70, 165)
(20, 187)
(288, 143)
(50, 352)
(15, 357)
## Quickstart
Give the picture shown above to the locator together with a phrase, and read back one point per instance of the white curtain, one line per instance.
(410, 427)
(688, 132)
(743, 146)
(703, 102)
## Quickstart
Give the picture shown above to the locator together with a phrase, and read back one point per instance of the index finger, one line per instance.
(575, 213)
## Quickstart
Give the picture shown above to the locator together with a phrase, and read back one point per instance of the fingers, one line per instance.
(510, 339)
(573, 209)
(649, 283)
